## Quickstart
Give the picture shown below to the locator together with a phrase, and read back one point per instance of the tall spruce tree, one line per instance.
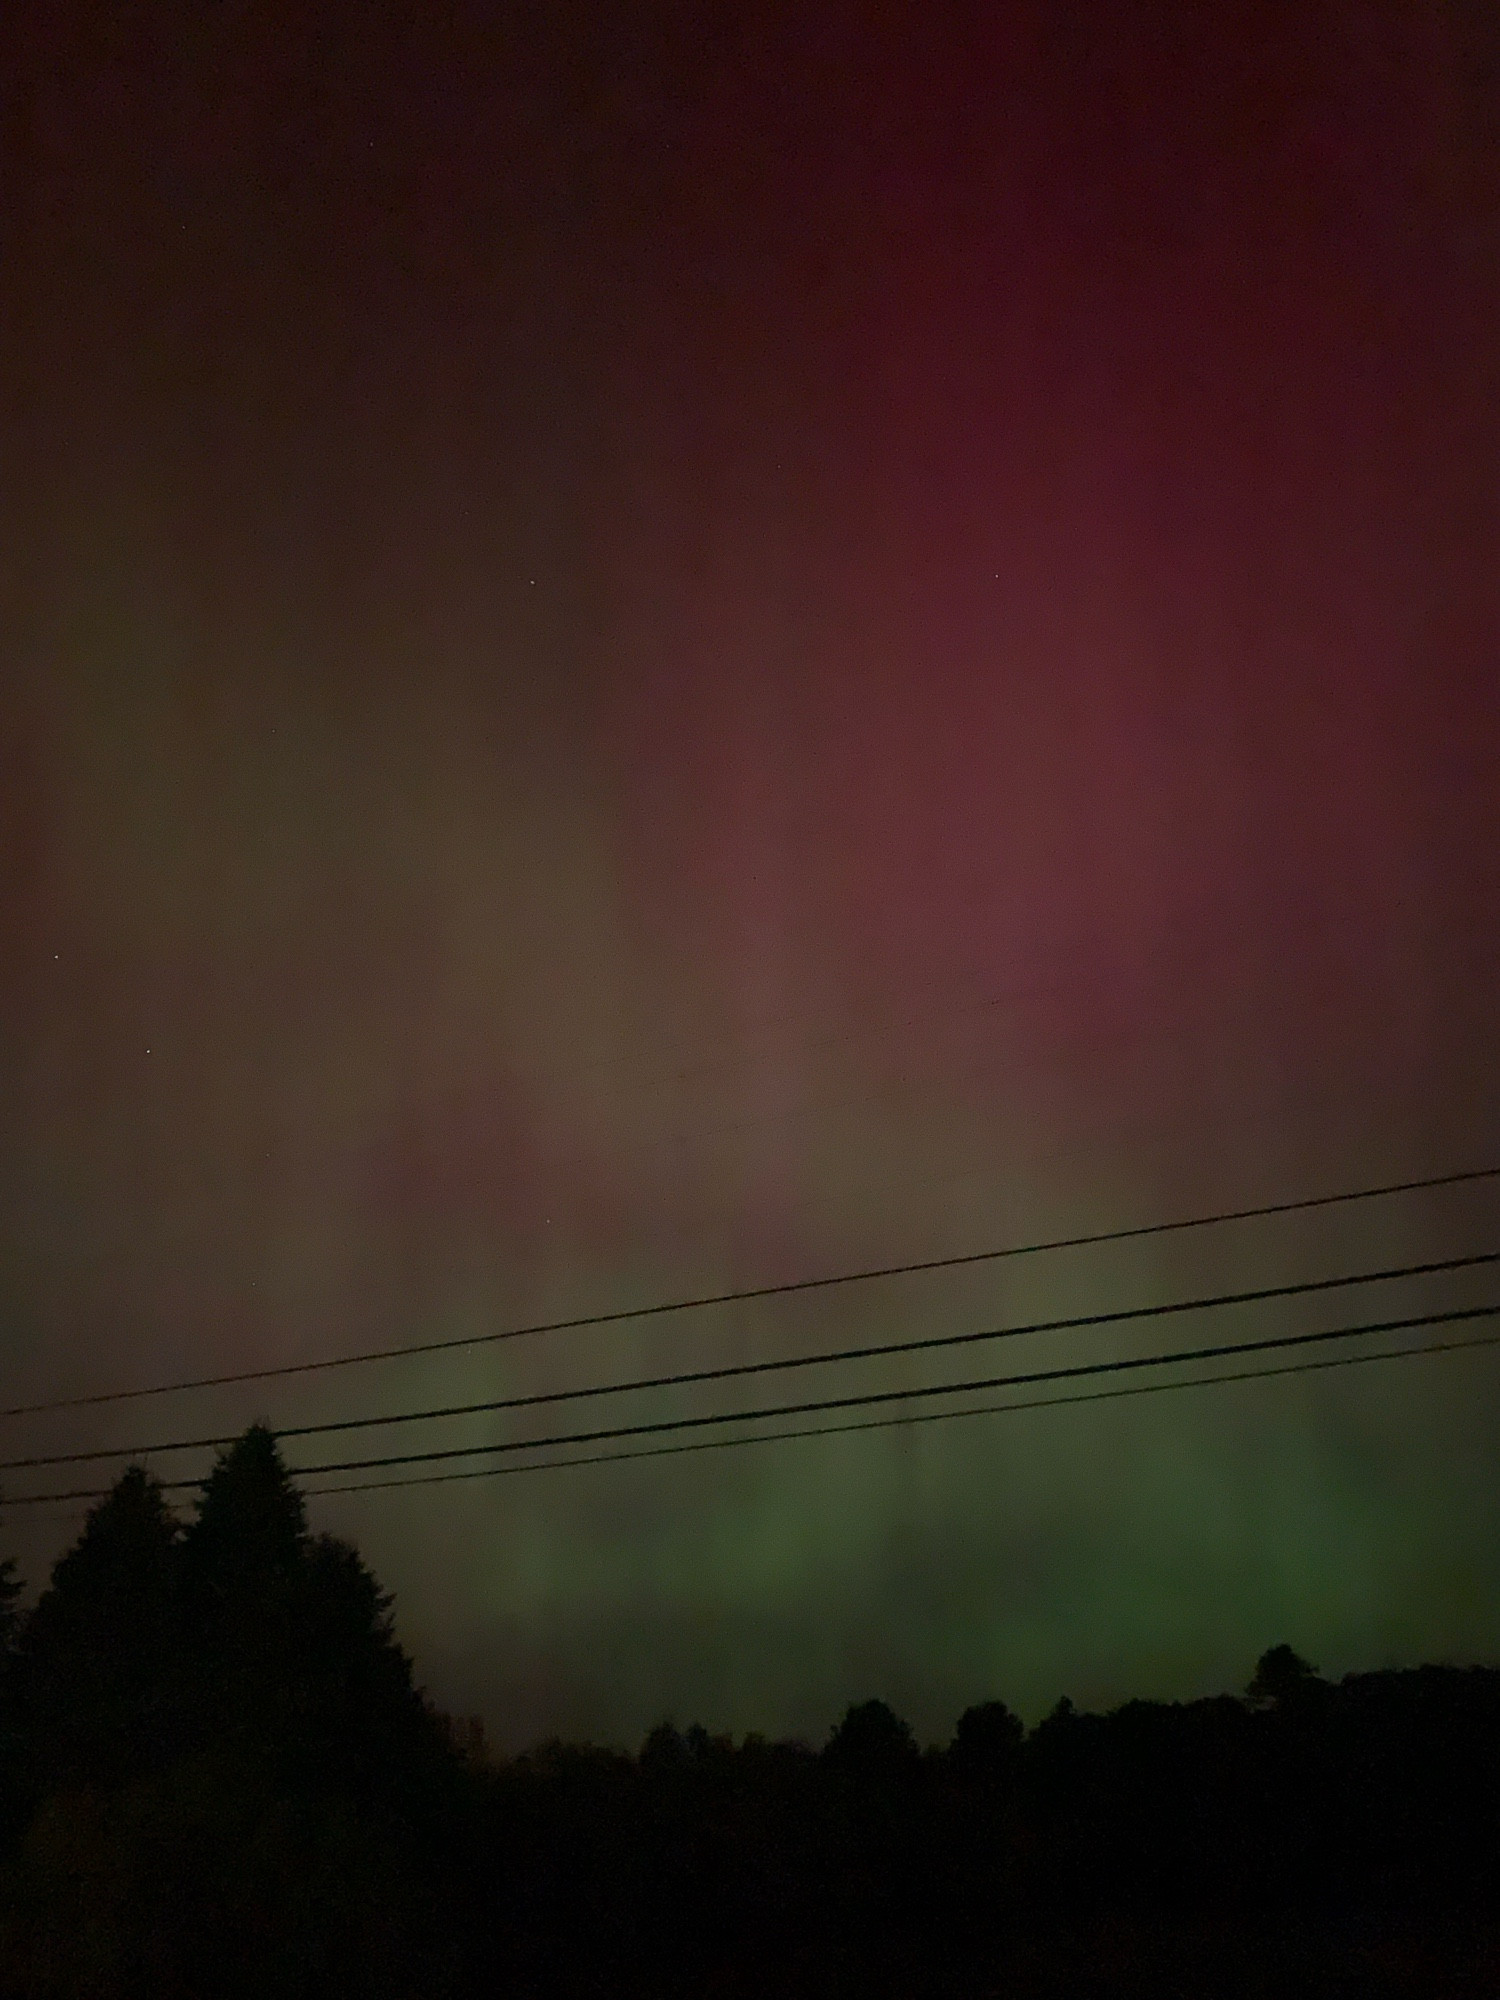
(295, 1658)
(98, 1669)
(243, 1556)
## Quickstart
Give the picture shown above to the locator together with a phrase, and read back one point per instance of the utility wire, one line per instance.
(917, 1417)
(746, 1294)
(876, 1397)
(683, 1378)
(872, 1398)
(891, 1423)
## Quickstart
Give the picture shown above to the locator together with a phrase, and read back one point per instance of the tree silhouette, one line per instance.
(227, 1765)
(251, 1526)
(295, 1655)
(98, 1669)
(1281, 1678)
(12, 1791)
(206, 1883)
(218, 1778)
(987, 1740)
(242, 1556)
(359, 1716)
(10, 1619)
(663, 1750)
(872, 1746)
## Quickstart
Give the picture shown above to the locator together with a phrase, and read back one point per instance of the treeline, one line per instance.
(218, 1777)
(216, 1773)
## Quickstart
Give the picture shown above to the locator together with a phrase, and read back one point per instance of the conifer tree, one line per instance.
(98, 1666)
(243, 1555)
(250, 1531)
(295, 1657)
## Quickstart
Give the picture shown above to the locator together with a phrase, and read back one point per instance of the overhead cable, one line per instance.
(747, 1294)
(684, 1378)
(915, 1417)
(869, 1399)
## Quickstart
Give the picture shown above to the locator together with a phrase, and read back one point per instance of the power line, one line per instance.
(746, 1294)
(876, 1397)
(1221, 1380)
(684, 1378)
(872, 1398)
(918, 1417)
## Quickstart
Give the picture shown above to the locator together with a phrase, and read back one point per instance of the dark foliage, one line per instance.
(10, 1591)
(98, 1674)
(1281, 1679)
(987, 1743)
(209, 1880)
(218, 1778)
(872, 1745)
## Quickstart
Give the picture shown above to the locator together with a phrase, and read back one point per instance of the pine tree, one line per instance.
(250, 1532)
(243, 1556)
(295, 1657)
(98, 1660)
(362, 1715)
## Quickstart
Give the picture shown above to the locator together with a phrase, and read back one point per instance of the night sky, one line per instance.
(665, 648)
